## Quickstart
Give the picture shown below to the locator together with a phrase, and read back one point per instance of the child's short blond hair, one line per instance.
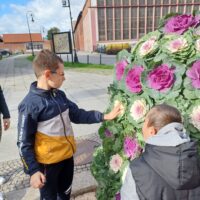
(45, 60)
(161, 115)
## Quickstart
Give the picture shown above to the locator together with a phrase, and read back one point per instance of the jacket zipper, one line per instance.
(60, 113)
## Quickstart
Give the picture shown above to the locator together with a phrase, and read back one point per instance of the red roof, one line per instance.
(22, 38)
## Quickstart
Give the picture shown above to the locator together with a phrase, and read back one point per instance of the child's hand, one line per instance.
(37, 180)
(6, 124)
(114, 112)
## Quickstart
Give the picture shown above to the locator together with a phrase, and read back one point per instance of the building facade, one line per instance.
(16, 43)
(104, 22)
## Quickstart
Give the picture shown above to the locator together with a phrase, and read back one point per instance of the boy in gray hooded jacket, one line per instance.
(169, 168)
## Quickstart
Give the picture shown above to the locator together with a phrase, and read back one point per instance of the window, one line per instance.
(166, 2)
(157, 17)
(133, 23)
(188, 9)
(101, 24)
(117, 2)
(35, 46)
(109, 15)
(150, 2)
(125, 2)
(149, 19)
(108, 2)
(100, 2)
(141, 21)
(173, 7)
(142, 2)
(126, 23)
(181, 1)
(197, 7)
(165, 10)
(133, 2)
(118, 23)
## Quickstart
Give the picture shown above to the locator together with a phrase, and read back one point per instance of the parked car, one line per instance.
(4, 52)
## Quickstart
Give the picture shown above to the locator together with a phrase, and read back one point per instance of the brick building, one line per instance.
(22, 43)
(104, 22)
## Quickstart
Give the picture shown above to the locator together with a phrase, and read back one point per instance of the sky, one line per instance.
(46, 14)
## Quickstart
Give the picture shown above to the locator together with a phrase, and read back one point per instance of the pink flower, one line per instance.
(180, 23)
(194, 74)
(138, 109)
(118, 196)
(131, 147)
(133, 79)
(195, 117)
(120, 67)
(161, 78)
(147, 46)
(177, 45)
(116, 162)
(197, 45)
(108, 133)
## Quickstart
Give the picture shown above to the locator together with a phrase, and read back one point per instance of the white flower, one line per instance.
(122, 108)
(177, 45)
(147, 46)
(116, 162)
(138, 109)
(197, 45)
(195, 117)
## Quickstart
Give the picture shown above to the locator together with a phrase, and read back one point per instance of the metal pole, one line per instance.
(87, 59)
(100, 59)
(75, 54)
(30, 33)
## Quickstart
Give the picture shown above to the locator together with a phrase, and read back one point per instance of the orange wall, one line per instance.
(80, 33)
(21, 47)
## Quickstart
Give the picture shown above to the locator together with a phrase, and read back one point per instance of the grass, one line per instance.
(81, 66)
(30, 58)
(86, 66)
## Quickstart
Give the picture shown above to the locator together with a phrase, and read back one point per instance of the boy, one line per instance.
(169, 167)
(6, 124)
(45, 136)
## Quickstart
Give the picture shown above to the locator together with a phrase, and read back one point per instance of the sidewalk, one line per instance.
(17, 185)
(88, 90)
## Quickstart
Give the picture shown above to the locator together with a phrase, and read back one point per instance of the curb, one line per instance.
(84, 191)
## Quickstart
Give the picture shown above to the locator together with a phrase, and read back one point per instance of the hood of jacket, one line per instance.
(174, 157)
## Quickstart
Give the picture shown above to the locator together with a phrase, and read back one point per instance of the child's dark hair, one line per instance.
(45, 60)
(161, 115)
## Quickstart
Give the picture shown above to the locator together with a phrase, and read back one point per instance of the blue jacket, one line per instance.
(3, 106)
(45, 133)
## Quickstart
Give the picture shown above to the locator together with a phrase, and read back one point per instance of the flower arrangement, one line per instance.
(163, 67)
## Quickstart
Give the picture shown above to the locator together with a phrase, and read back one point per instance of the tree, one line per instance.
(52, 30)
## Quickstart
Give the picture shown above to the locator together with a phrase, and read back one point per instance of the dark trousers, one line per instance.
(59, 178)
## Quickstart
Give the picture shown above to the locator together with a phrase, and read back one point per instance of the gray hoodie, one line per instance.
(171, 135)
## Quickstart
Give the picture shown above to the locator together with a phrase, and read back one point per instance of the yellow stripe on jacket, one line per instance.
(53, 149)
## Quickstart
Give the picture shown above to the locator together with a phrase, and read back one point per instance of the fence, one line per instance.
(92, 58)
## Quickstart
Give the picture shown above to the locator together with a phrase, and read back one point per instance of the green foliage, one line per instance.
(52, 30)
(178, 53)
(30, 58)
